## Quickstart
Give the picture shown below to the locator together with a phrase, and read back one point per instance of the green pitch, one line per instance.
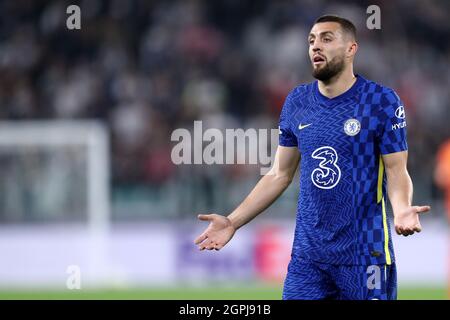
(241, 293)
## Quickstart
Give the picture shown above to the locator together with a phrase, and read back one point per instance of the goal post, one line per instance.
(57, 173)
(23, 136)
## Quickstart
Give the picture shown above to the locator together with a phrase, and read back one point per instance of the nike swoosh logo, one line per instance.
(304, 126)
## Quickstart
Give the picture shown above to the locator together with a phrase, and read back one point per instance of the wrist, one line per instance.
(233, 221)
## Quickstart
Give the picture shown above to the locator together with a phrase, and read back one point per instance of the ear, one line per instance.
(352, 49)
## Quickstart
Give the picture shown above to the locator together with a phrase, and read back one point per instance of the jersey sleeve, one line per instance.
(286, 137)
(392, 135)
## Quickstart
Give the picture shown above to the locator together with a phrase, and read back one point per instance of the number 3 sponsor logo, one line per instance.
(328, 174)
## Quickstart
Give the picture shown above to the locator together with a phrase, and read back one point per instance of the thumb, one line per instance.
(422, 209)
(205, 217)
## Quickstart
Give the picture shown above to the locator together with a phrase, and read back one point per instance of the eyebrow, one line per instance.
(321, 34)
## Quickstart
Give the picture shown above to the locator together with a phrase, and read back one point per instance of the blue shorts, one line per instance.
(309, 280)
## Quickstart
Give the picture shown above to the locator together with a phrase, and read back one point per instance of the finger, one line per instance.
(397, 230)
(417, 228)
(205, 244)
(405, 232)
(205, 217)
(212, 246)
(422, 209)
(201, 238)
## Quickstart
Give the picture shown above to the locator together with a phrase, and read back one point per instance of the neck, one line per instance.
(338, 84)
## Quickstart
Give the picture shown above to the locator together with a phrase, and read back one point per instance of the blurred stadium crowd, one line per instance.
(148, 67)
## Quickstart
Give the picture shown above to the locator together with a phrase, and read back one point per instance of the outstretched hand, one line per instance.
(407, 222)
(217, 234)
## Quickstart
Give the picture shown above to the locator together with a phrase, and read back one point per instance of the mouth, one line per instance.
(317, 59)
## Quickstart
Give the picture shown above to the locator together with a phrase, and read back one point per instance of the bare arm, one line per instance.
(400, 191)
(269, 188)
(221, 229)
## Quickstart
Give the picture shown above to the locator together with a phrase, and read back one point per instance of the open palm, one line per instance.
(407, 222)
(217, 234)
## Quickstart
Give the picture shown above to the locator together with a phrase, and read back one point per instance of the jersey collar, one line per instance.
(347, 94)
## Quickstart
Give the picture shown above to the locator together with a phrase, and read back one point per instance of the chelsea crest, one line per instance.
(352, 127)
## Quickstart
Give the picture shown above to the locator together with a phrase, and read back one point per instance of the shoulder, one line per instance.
(384, 100)
(301, 91)
(385, 94)
(295, 99)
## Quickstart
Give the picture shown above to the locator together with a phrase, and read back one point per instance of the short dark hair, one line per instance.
(345, 24)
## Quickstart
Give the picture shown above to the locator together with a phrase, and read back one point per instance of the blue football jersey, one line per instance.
(341, 211)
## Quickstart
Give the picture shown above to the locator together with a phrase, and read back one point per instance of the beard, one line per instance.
(329, 70)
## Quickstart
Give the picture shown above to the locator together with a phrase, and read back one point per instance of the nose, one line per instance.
(316, 47)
